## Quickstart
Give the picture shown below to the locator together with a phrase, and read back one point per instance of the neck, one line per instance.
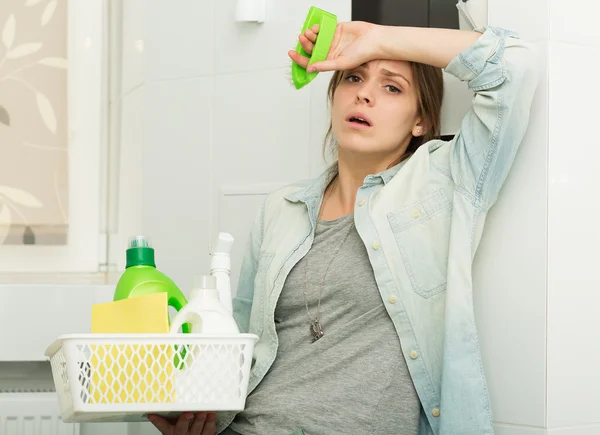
(353, 169)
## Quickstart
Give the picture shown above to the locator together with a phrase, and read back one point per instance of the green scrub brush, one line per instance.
(327, 25)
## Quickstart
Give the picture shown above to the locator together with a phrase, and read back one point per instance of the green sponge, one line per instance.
(327, 25)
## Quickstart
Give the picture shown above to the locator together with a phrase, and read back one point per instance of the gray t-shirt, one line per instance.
(354, 380)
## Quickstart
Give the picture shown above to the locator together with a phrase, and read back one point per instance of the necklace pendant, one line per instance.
(315, 330)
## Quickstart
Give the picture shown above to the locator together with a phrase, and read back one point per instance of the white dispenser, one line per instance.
(204, 311)
(220, 268)
(209, 309)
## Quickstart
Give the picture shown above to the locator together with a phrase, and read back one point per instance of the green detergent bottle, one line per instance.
(142, 278)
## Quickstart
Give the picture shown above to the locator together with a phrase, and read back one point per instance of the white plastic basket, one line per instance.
(125, 377)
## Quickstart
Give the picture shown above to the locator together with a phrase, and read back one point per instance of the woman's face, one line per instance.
(375, 109)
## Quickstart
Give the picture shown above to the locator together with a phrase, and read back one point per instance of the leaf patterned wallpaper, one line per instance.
(33, 122)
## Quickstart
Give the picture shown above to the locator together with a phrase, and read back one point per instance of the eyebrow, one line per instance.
(388, 73)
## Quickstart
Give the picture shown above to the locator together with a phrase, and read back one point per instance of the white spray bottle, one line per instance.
(220, 268)
(209, 309)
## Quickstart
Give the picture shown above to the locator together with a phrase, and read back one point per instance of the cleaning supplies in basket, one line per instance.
(132, 365)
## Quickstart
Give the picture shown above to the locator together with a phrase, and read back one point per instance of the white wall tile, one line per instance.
(530, 18)
(181, 42)
(320, 116)
(176, 175)
(231, 208)
(510, 280)
(133, 45)
(126, 181)
(250, 46)
(579, 430)
(52, 310)
(575, 21)
(573, 345)
(505, 429)
(262, 129)
(456, 103)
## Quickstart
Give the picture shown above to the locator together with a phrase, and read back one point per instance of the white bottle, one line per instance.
(220, 268)
(204, 311)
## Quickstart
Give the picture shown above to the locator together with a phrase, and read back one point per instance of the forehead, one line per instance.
(397, 66)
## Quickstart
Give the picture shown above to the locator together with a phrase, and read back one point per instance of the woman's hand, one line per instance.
(188, 423)
(354, 43)
(357, 42)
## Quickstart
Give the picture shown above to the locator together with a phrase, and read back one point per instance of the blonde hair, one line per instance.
(429, 84)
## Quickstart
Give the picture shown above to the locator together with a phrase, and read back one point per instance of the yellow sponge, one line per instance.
(147, 314)
(132, 374)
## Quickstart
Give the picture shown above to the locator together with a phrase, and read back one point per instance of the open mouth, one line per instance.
(359, 120)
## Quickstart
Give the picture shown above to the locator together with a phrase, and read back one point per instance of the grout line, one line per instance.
(522, 426)
(548, 202)
(576, 43)
(221, 74)
(131, 90)
(213, 221)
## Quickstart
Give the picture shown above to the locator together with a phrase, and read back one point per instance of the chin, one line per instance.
(355, 143)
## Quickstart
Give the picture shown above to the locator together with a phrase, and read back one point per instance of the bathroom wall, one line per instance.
(535, 277)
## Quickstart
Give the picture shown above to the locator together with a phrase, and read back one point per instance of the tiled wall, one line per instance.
(539, 307)
(574, 213)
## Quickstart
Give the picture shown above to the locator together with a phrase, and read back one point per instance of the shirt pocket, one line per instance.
(422, 232)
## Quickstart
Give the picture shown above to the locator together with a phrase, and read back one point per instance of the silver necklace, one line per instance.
(316, 330)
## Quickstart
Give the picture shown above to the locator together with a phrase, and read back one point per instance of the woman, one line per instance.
(359, 283)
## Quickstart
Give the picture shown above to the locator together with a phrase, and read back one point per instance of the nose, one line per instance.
(364, 95)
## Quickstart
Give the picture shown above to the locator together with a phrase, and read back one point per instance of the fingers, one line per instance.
(210, 427)
(311, 34)
(183, 423)
(309, 38)
(198, 425)
(338, 63)
(306, 43)
(161, 424)
(298, 58)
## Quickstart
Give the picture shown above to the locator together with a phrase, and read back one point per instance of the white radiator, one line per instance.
(32, 414)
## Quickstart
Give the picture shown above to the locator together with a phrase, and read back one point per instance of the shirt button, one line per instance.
(376, 245)
(435, 412)
(414, 354)
(416, 213)
(361, 202)
(393, 299)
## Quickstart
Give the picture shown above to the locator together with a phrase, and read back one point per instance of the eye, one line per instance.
(393, 89)
(353, 78)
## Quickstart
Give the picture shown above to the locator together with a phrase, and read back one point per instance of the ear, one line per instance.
(419, 129)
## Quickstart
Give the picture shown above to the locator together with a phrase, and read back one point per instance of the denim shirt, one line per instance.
(421, 222)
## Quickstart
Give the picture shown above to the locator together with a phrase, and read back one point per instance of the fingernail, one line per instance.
(311, 69)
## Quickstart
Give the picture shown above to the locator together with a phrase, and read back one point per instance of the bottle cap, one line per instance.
(139, 252)
(139, 242)
(205, 282)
